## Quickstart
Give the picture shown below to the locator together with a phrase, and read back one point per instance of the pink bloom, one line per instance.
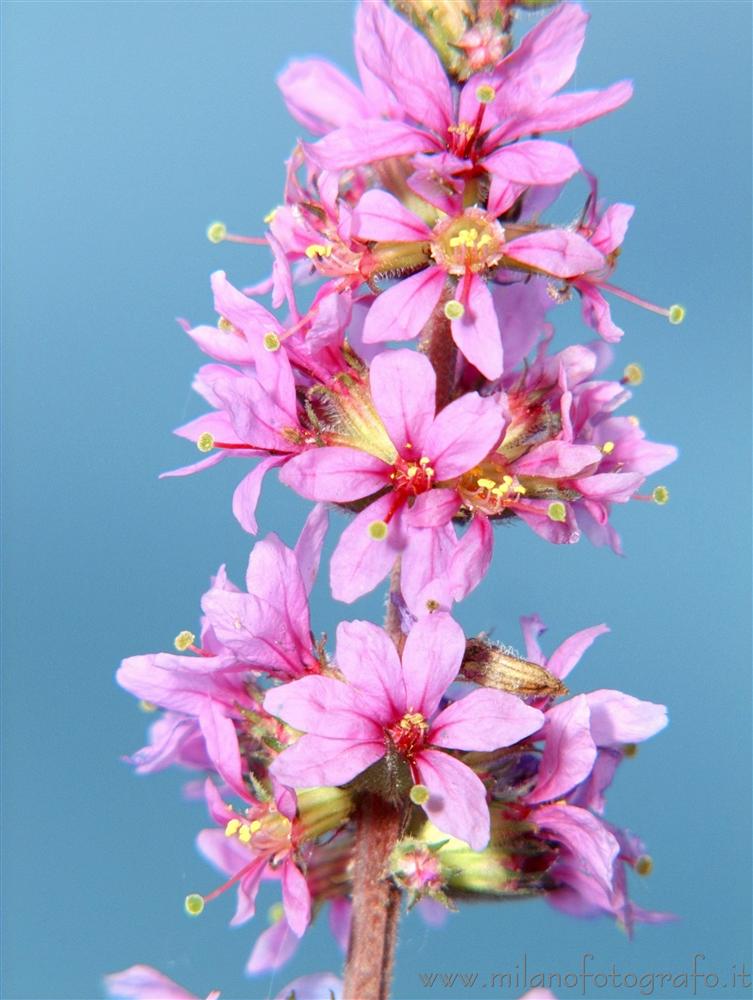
(517, 98)
(466, 247)
(406, 450)
(388, 705)
(315, 986)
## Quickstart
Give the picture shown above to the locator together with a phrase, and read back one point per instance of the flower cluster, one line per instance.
(414, 216)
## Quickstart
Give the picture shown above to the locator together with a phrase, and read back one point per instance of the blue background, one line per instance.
(129, 127)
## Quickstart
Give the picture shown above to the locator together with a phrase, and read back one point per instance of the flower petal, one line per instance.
(324, 707)
(569, 652)
(536, 161)
(316, 760)
(401, 312)
(618, 718)
(296, 898)
(463, 433)
(272, 949)
(247, 492)
(319, 96)
(559, 252)
(367, 142)
(404, 386)
(569, 750)
(484, 720)
(367, 657)
(432, 656)
(335, 473)
(457, 798)
(360, 561)
(380, 216)
(477, 331)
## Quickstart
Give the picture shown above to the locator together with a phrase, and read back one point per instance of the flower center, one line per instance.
(473, 242)
(267, 833)
(408, 735)
(411, 478)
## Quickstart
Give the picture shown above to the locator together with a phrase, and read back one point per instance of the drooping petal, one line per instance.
(403, 386)
(369, 660)
(610, 232)
(597, 312)
(618, 718)
(296, 898)
(424, 569)
(380, 216)
(569, 750)
(463, 433)
(335, 473)
(323, 706)
(247, 492)
(532, 627)
(569, 652)
(477, 331)
(320, 97)
(272, 949)
(361, 561)
(316, 760)
(401, 312)
(432, 656)
(484, 720)
(585, 836)
(457, 798)
(273, 575)
(559, 252)
(222, 746)
(308, 548)
(619, 487)
(340, 919)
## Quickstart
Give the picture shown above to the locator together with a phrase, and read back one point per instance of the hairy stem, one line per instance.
(376, 898)
(439, 347)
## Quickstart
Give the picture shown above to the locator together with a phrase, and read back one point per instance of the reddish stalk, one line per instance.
(439, 347)
(376, 898)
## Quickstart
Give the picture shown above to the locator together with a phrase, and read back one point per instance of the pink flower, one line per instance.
(407, 457)
(517, 98)
(466, 247)
(388, 706)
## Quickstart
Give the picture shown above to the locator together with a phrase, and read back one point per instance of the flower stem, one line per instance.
(439, 347)
(376, 898)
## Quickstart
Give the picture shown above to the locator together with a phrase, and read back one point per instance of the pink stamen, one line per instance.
(231, 881)
(633, 298)
(257, 241)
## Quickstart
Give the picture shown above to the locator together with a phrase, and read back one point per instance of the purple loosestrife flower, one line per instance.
(414, 111)
(407, 460)
(142, 982)
(387, 707)
(465, 246)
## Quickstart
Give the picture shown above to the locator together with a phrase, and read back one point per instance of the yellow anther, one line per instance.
(147, 706)
(217, 232)
(205, 441)
(484, 241)
(676, 314)
(271, 341)
(454, 309)
(519, 488)
(486, 484)
(275, 913)
(485, 93)
(557, 511)
(183, 640)
(225, 325)
(412, 471)
(413, 719)
(423, 460)
(608, 447)
(318, 250)
(633, 374)
(254, 826)
(419, 794)
(634, 421)
(630, 749)
(644, 865)
(194, 904)
(269, 217)
(232, 827)
(660, 495)
(432, 605)
(244, 834)
(378, 530)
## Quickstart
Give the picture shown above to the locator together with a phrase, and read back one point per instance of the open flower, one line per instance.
(388, 707)
(406, 458)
